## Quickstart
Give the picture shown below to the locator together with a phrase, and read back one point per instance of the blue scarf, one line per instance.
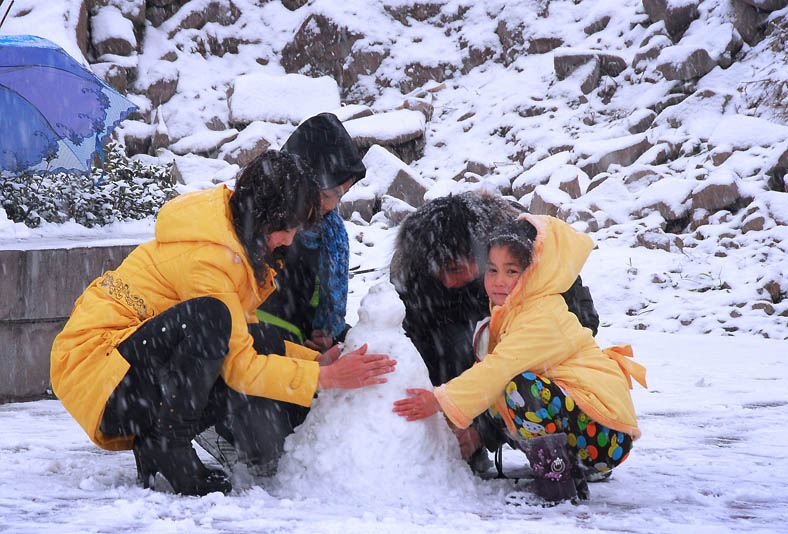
(332, 272)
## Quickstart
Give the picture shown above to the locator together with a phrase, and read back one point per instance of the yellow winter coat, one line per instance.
(534, 331)
(195, 253)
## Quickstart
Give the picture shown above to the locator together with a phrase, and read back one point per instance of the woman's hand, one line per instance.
(421, 405)
(355, 369)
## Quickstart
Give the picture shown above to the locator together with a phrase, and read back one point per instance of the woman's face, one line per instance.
(329, 198)
(281, 238)
(503, 273)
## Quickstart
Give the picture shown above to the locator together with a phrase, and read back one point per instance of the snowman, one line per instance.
(353, 444)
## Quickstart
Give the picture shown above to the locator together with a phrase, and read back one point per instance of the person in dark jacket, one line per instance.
(437, 268)
(309, 304)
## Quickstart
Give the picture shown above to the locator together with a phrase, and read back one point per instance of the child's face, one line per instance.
(503, 273)
(329, 198)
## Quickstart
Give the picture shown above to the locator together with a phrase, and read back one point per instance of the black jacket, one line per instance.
(322, 143)
(295, 286)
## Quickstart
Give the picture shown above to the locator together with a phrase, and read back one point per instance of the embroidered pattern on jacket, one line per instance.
(120, 291)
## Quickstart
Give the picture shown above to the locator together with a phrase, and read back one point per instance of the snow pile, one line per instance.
(11, 228)
(352, 444)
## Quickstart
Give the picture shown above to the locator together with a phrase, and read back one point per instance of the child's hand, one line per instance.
(319, 341)
(329, 356)
(423, 404)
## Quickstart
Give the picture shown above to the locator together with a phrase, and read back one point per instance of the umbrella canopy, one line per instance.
(54, 113)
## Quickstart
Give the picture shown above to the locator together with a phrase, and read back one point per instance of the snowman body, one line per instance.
(352, 442)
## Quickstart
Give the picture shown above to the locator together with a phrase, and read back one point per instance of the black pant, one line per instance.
(196, 328)
(199, 328)
(257, 426)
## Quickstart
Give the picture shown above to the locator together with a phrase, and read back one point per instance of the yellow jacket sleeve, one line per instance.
(534, 342)
(294, 350)
(290, 379)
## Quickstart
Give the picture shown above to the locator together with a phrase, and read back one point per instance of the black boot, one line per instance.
(552, 467)
(167, 448)
(180, 466)
(581, 484)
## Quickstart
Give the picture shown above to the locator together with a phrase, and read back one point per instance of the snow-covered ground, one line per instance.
(711, 460)
(712, 456)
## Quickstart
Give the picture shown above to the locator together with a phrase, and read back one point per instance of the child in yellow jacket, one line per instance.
(562, 399)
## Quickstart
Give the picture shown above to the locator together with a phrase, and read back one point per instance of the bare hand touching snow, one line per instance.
(422, 404)
(356, 369)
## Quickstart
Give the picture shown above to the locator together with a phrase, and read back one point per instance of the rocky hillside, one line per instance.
(657, 125)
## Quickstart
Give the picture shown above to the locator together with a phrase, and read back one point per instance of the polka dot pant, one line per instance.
(538, 407)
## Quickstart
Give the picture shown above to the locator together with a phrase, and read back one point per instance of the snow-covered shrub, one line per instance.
(128, 190)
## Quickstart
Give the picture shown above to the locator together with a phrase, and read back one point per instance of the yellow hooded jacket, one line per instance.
(534, 331)
(195, 253)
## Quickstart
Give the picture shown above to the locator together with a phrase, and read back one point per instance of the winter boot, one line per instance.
(480, 462)
(552, 467)
(167, 448)
(581, 483)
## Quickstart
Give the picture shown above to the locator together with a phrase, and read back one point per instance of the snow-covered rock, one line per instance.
(252, 141)
(289, 98)
(393, 129)
(386, 175)
(112, 33)
(206, 142)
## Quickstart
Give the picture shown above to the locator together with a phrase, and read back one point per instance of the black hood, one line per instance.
(324, 144)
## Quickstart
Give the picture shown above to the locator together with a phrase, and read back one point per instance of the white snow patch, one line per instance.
(288, 98)
(741, 132)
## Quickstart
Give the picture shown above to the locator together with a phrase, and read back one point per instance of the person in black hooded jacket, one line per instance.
(438, 270)
(309, 304)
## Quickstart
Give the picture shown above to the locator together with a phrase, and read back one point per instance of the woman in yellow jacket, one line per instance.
(146, 343)
(561, 399)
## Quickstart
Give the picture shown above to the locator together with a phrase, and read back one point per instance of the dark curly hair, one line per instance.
(448, 230)
(518, 238)
(275, 191)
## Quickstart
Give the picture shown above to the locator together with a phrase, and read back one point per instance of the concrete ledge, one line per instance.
(38, 289)
(25, 358)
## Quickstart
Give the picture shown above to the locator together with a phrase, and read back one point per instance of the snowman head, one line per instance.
(382, 307)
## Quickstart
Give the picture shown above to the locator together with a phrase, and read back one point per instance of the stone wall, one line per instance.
(38, 289)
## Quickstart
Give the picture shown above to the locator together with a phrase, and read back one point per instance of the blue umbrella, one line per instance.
(55, 114)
